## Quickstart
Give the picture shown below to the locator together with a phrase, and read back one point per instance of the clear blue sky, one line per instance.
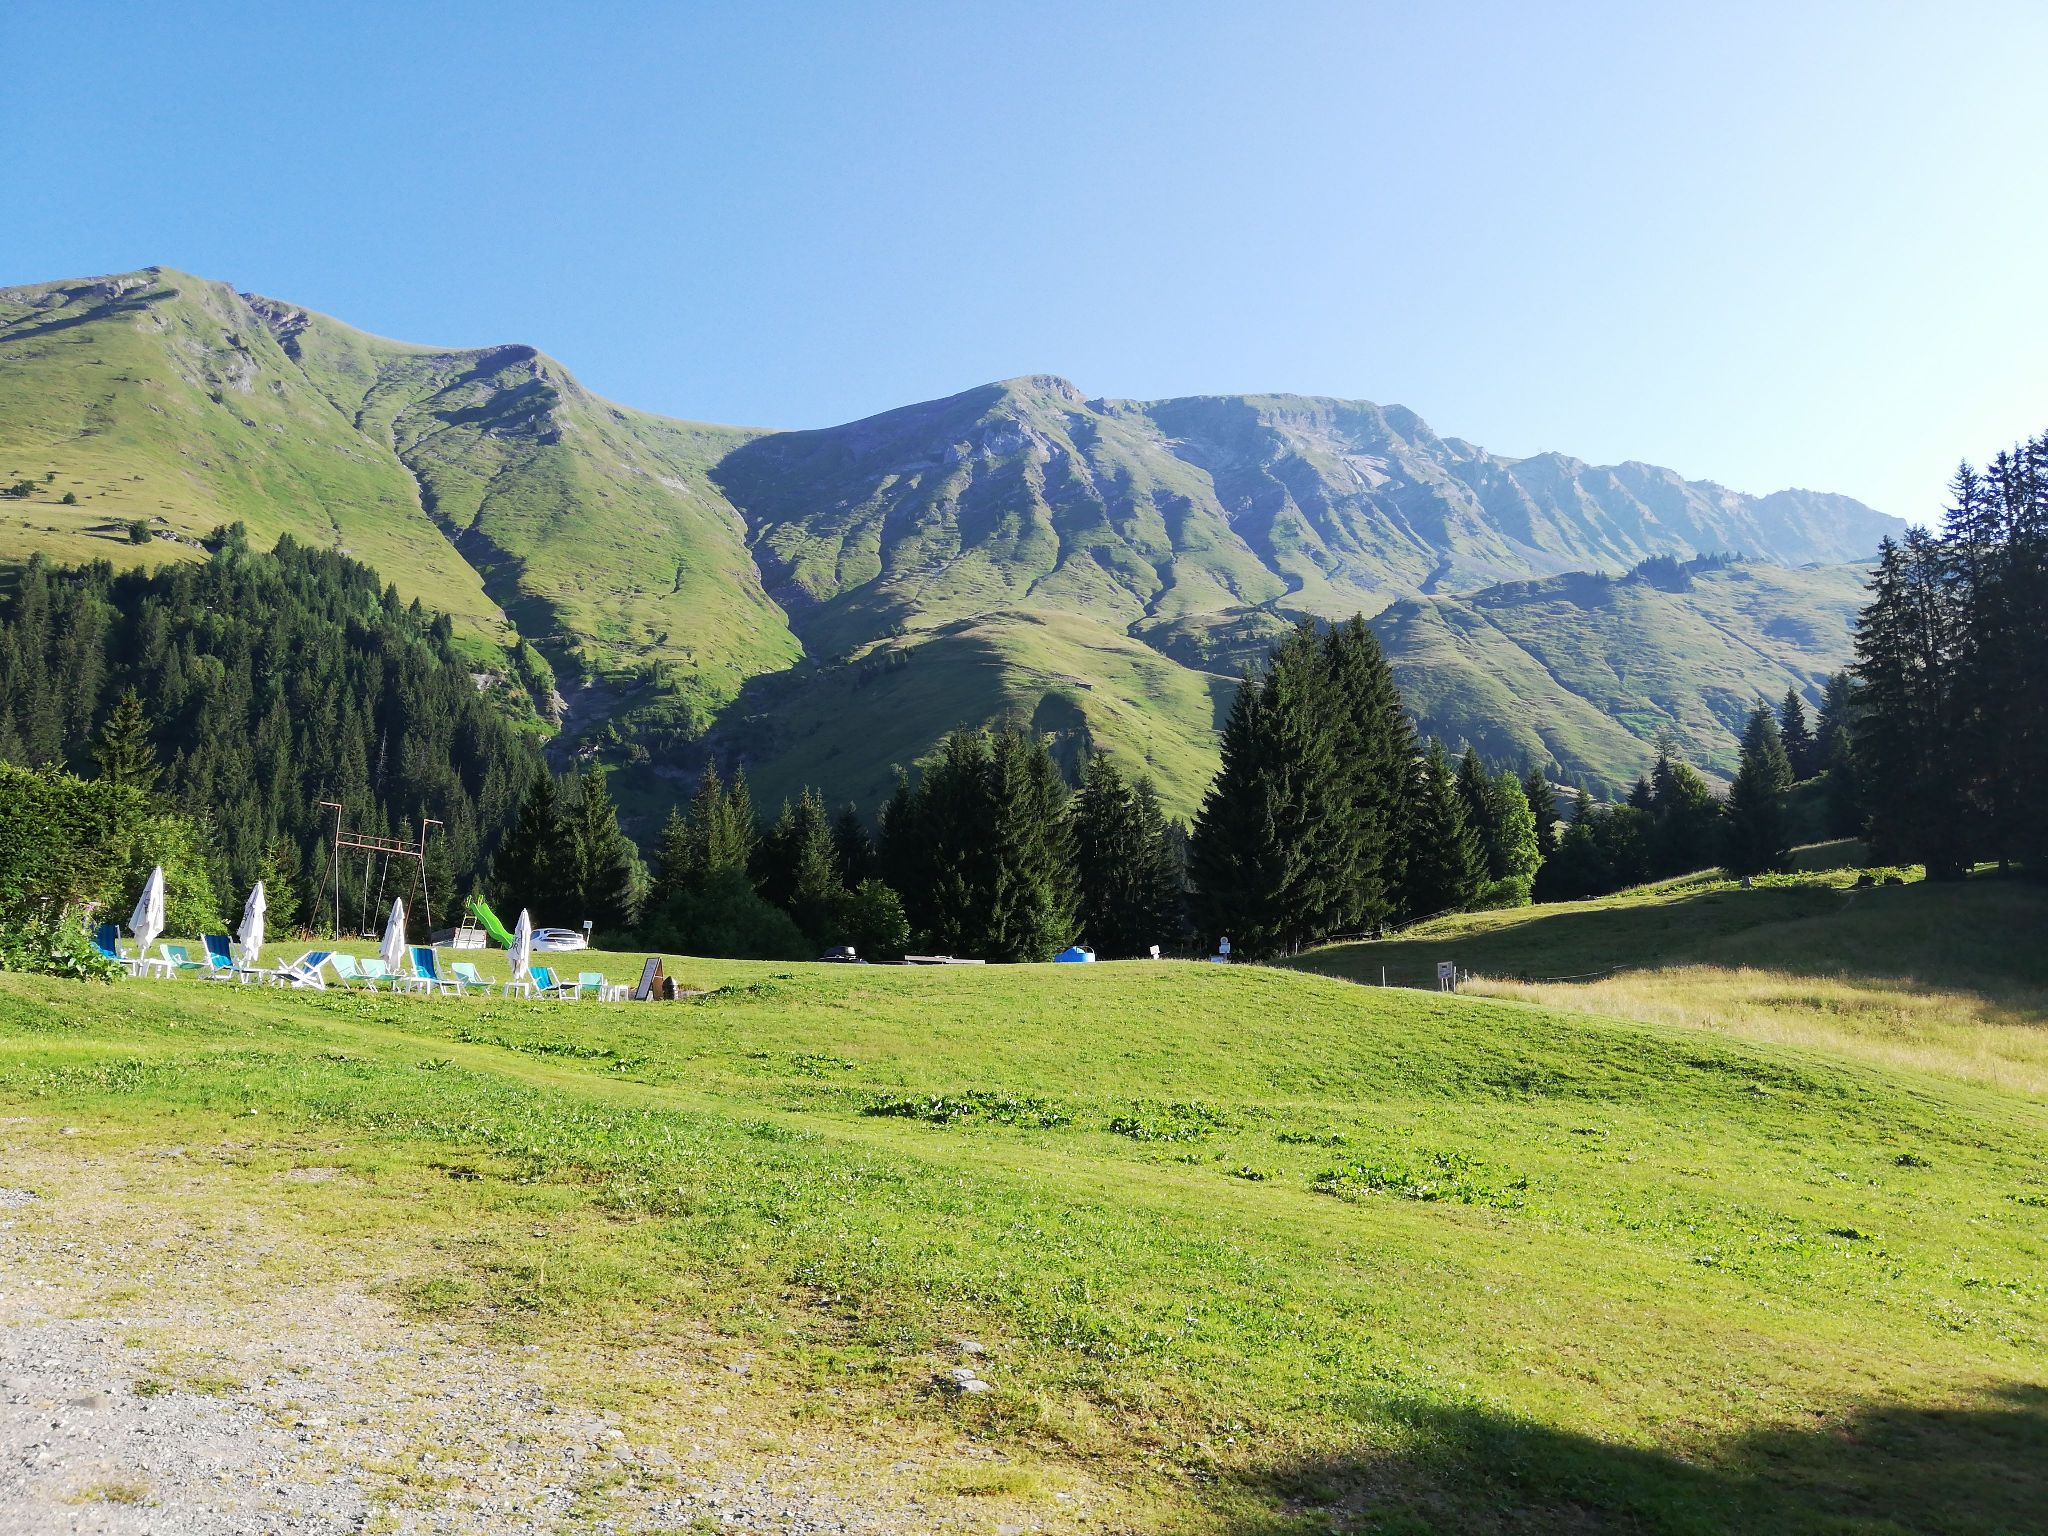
(1783, 244)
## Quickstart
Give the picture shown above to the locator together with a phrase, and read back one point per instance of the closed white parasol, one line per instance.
(147, 920)
(251, 931)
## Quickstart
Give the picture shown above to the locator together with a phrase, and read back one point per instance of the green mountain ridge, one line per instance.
(823, 605)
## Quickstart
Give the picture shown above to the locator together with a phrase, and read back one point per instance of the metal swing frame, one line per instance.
(375, 845)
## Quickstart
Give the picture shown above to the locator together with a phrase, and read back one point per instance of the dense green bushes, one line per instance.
(67, 842)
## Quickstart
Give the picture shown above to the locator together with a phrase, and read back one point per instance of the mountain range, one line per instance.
(823, 605)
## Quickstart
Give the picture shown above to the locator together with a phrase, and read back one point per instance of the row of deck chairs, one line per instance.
(311, 970)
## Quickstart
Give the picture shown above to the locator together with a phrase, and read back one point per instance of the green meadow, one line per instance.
(1248, 1250)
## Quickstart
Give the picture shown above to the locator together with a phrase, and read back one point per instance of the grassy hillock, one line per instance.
(1248, 1250)
(1948, 978)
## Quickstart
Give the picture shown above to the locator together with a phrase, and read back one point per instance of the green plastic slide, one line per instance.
(489, 920)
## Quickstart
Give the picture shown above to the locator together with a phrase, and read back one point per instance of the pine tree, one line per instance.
(1759, 839)
(1446, 865)
(854, 847)
(123, 751)
(606, 869)
(535, 867)
(1801, 752)
(1031, 909)
(1542, 810)
(1374, 744)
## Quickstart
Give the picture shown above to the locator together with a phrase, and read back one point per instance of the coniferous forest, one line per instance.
(245, 689)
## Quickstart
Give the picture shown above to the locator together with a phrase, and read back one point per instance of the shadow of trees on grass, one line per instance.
(1975, 1470)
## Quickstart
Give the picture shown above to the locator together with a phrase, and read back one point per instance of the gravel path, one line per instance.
(170, 1409)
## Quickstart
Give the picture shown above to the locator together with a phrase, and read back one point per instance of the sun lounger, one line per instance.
(373, 970)
(547, 984)
(350, 973)
(304, 971)
(179, 958)
(426, 972)
(107, 940)
(469, 979)
(221, 964)
(593, 983)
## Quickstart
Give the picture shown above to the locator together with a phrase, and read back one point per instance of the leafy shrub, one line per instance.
(52, 941)
(726, 920)
(65, 842)
(870, 918)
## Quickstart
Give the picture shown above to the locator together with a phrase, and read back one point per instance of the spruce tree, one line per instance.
(1686, 819)
(535, 867)
(1542, 810)
(1106, 860)
(675, 863)
(1800, 750)
(1759, 839)
(1163, 881)
(1238, 862)
(607, 885)
(1446, 865)
(123, 751)
(854, 847)
(1030, 849)
(1374, 744)
(1906, 733)
(801, 868)
(1127, 863)
(1483, 811)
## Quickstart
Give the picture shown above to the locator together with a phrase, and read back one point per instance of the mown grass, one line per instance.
(1261, 1251)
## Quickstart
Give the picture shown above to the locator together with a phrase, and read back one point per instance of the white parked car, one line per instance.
(557, 939)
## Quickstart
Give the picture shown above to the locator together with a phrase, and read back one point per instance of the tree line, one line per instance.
(1950, 705)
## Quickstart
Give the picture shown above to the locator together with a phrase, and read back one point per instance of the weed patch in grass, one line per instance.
(973, 1107)
(1449, 1176)
(1156, 1121)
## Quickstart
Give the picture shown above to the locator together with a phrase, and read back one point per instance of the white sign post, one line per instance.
(1447, 975)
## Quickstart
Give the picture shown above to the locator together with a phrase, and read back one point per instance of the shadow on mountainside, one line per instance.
(1978, 936)
(1967, 1470)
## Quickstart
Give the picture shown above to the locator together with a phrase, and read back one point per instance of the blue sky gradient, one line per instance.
(1768, 245)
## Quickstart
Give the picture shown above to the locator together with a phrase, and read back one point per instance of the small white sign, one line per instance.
(1447, 975)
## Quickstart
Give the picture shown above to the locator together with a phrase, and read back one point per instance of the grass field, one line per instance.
(1248, 1250)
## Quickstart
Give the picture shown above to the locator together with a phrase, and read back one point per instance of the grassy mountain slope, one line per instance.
(1243, 1250)
(160, 397)
(847, 726)
(485, 482)
(1016, 551)
(1584, 671)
